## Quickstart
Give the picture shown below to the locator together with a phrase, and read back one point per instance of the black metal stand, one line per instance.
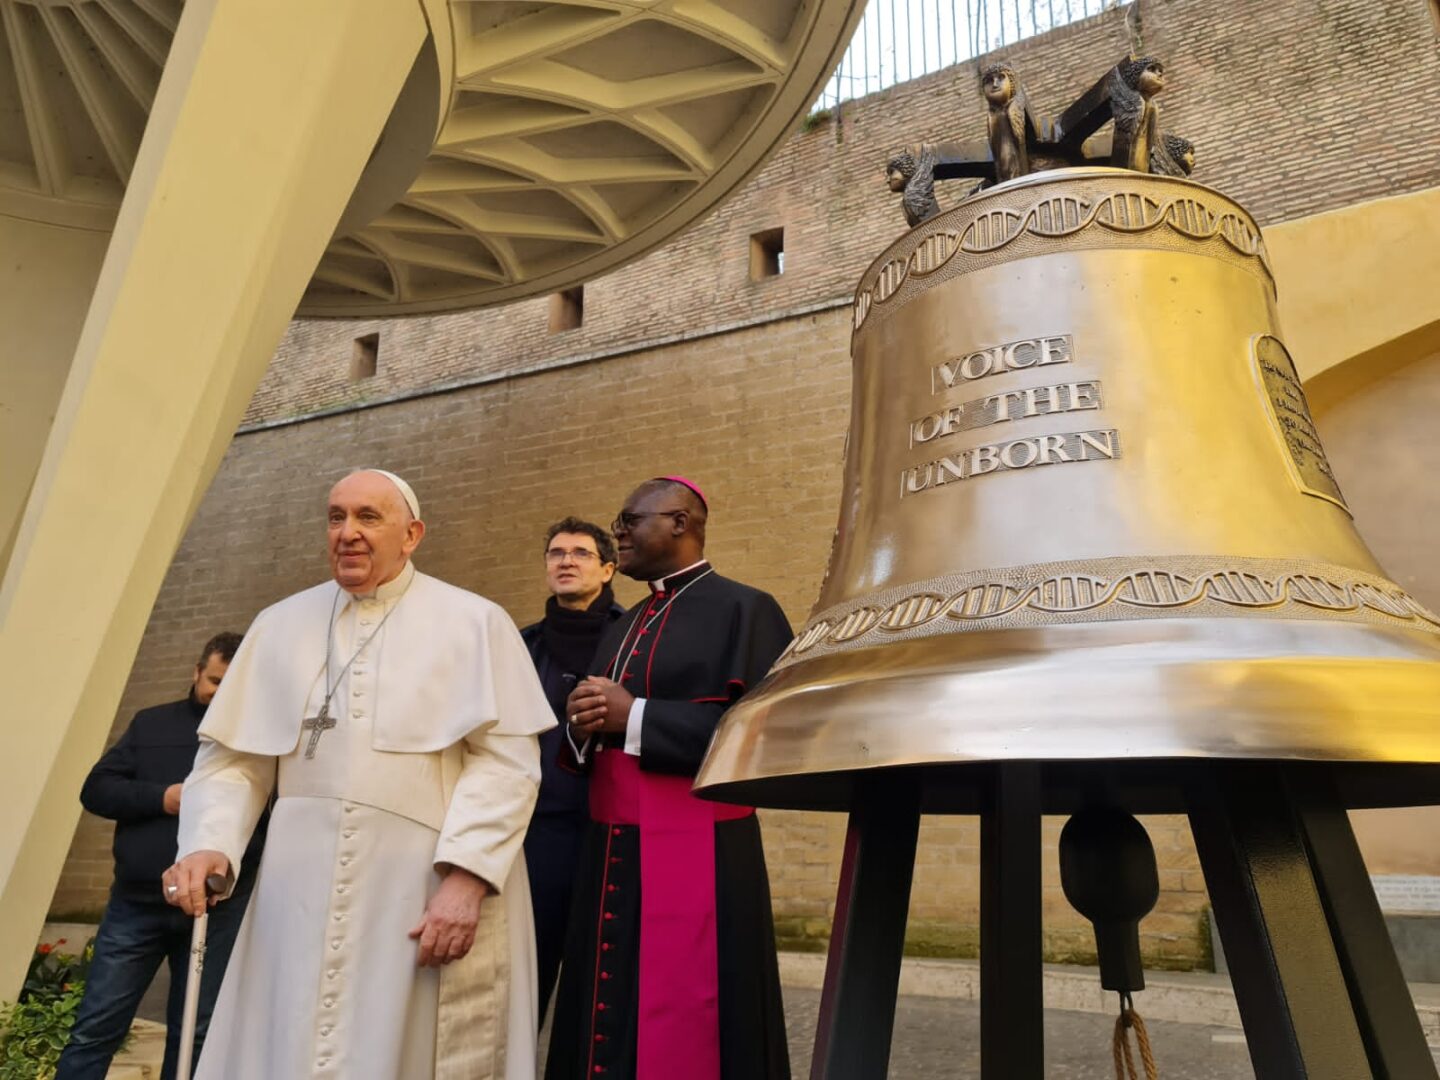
(1384, 1010)
(862, 972)
(1012, 977)
(1319, 988)
(1292, 996)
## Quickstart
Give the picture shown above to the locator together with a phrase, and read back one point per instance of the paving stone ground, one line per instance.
(940, 1038)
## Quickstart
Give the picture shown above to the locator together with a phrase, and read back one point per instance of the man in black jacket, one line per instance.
(579, 563)
(137, 785)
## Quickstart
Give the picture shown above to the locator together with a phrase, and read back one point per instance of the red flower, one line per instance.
(44, 950)
(60, 942)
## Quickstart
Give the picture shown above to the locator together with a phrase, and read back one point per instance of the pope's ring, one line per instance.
(172, 888)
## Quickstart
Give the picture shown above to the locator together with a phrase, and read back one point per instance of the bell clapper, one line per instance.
(1108, 872)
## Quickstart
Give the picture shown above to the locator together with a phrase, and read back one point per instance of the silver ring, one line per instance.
(172, 888)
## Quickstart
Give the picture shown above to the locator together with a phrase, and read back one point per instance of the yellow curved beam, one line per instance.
(1359, 289)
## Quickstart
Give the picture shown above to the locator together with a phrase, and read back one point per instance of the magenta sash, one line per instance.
(679, 959)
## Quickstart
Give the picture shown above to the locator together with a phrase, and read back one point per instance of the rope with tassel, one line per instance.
(1129, 1020)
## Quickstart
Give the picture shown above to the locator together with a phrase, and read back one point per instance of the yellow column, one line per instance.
(46, 279)
(265, 116)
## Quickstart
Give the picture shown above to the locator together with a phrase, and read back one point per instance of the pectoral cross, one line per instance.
(317, 725)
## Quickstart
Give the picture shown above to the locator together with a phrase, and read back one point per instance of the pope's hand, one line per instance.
(447, 929)
(599, 704)
(184, 883)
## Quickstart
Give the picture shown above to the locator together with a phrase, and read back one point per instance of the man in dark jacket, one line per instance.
(579, 563)
(137, 785)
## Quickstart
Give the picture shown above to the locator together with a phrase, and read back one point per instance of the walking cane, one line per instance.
(214, 885)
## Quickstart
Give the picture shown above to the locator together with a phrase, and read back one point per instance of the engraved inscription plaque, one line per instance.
(1004, 406)
(1288, 408)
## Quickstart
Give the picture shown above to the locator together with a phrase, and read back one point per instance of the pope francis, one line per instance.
(393, 717)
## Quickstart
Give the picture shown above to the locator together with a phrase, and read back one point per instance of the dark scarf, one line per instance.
(571, 637)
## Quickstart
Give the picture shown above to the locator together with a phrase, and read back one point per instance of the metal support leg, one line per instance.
(1384, 1010)
(1288, 983)
(1012, 1018)
(862, 973)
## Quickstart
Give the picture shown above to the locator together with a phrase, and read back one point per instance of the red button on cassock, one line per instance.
(611, 888)
(614, 832)
(604, 974)
(609, 914)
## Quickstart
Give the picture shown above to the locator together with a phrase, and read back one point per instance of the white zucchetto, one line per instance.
(406, 491)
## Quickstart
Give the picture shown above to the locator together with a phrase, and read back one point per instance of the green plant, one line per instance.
(816, 119)
(35, 1029)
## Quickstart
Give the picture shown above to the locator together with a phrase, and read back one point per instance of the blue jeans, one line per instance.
(134, 937)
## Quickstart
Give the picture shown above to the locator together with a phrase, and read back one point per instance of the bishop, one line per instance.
(670, 967)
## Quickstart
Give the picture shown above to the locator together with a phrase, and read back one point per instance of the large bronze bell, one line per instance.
(1086, 515)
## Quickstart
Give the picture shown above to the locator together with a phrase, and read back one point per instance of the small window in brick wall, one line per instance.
(567, 309)
(767, 254)
(364, 357)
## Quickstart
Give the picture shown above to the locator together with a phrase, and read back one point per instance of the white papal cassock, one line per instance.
(432, 760)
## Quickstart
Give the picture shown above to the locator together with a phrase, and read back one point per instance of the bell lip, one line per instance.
(1288, 690)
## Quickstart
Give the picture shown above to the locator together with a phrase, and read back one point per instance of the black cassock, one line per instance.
(691, 650)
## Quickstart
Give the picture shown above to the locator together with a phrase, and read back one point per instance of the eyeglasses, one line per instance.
(580, 555)
(629, 519)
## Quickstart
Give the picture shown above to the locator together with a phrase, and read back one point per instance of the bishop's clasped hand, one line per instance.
(598, 704)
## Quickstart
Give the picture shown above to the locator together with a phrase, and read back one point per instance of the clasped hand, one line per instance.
(598, 704)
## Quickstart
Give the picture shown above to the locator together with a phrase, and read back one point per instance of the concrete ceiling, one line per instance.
(536, 145)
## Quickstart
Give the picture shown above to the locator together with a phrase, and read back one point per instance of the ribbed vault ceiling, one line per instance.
(578, 135)
(76, 85)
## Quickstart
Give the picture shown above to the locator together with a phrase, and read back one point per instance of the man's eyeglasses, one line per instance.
(579, 555)
(628, 519)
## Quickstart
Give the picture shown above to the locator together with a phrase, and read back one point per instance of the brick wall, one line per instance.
(495, 464)
(1296, 106)
(685, 364)
(758, 415)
